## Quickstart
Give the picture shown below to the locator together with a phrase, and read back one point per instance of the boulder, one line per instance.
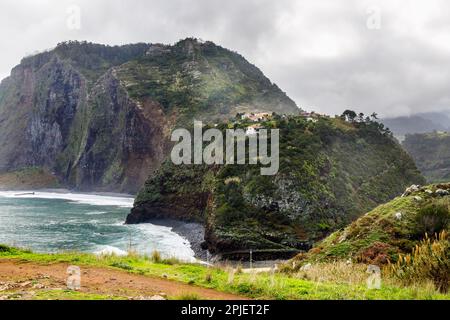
(442, 192)
(410, 190)
(306, 267)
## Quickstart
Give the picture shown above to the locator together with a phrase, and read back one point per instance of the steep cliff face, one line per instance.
(100, 117)
(37, 106)
(331, 172)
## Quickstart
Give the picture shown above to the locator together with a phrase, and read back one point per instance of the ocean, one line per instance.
(54, 222)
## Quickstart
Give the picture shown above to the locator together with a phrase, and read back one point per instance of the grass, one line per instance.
(259, 286)
(72, 295)
(59, 294)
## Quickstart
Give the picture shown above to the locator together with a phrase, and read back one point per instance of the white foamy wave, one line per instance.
(164, 240)
(95, 213)
(98, 200)
(110, 250)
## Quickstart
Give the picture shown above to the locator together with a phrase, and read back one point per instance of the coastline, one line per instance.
(191, 231)
(65, 191)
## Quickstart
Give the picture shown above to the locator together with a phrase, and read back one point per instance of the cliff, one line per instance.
(331, 172)
(99, 117)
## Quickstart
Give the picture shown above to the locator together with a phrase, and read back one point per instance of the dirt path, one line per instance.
(31, 276)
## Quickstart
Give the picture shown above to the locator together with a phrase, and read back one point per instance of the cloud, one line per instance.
(322, 53)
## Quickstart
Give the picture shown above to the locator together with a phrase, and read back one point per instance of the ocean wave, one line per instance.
(106, 250)
(164, 240)
(94, 213)
(97, 200)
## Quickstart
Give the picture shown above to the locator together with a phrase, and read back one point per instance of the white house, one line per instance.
(253, 130)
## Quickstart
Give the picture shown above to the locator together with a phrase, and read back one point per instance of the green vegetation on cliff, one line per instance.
(331, 172)
(202, 78)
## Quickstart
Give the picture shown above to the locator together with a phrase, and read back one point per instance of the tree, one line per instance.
(361, 117)
(374, 116)
(349, 115)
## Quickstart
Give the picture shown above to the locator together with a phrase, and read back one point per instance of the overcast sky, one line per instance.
(392, 57)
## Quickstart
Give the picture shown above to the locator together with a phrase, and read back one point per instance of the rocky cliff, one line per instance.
(331, 172)
(99, 117)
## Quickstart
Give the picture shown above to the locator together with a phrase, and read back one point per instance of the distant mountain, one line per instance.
(418, 123)
(99, 117)
(431, 152)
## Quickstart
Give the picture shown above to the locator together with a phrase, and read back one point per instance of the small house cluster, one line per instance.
(253, 129)
(256, 116)
(313, 116)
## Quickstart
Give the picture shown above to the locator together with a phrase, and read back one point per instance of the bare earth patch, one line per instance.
(24, 280)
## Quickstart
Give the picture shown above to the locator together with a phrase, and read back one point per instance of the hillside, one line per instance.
(331, 171)
(389, 230)
(99, 117)
(431, 152)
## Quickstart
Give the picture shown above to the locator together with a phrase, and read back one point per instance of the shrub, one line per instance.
(378, 253)
(432, 218)
(429, 260)
(4, 248)
(156, 257)
(121, 265)
(188, 296)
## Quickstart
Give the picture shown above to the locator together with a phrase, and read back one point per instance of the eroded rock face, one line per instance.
(37, 108)
(97, 139)
(124, 140)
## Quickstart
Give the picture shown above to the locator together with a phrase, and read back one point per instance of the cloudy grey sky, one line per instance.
(388, 56)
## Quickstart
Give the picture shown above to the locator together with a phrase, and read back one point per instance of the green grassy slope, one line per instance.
(388, 230)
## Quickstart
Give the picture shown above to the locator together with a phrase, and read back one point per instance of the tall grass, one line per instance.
(429, 260)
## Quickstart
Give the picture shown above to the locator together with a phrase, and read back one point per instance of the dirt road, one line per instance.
(26, 276)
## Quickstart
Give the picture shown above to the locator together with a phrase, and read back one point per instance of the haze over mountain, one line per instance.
(418, 123)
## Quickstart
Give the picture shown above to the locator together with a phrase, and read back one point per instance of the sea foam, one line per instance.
(96, 200)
